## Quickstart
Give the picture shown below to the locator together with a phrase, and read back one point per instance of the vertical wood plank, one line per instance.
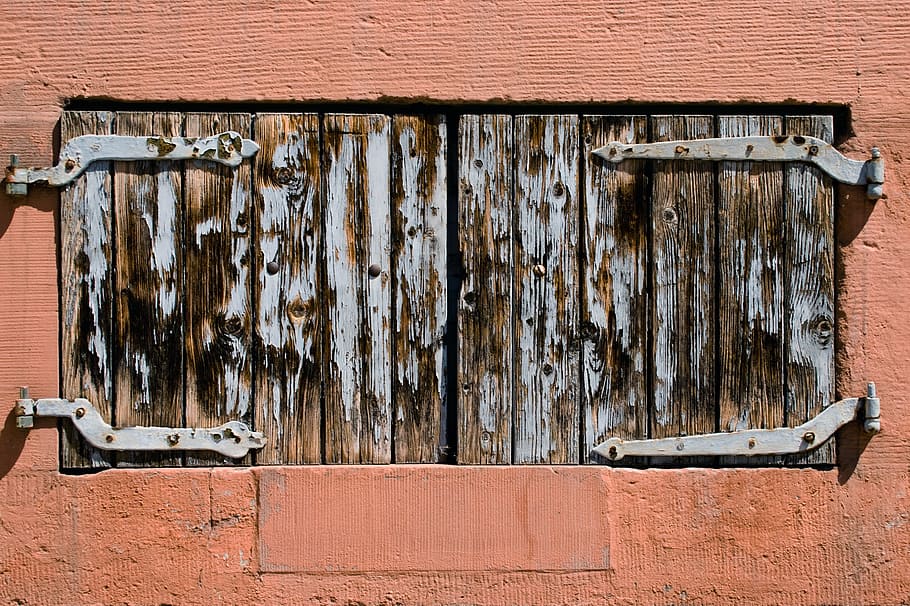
(809, 287)
(546, 289)
(683, 334)
(419, 274)
(148, 371)
(289, 333)
(85, 289)
(614, 329)
(217, 286)
(357, 230)
(485, 305)
(750, 299)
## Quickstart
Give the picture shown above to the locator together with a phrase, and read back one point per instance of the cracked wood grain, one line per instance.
(148, 326)
(358, 369)
(218, 317)
(615, 299)
(289, 336)
(419, 276)
(682, 218)
(485, 303)
(546, 289)
(85, 290)
(809, 287)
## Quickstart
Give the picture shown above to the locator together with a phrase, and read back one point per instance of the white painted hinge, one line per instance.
(233, 439)
(227, 148)
(752, 442)
(799, 148)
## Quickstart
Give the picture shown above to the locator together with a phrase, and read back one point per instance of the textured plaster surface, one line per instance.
(449, 535)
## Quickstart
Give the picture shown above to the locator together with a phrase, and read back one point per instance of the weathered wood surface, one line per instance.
(485, 356)
(289, 335)
(809, 287)
(85, 290)
(148, 314)
(546, 289)
(615, 249)
(358, 369)
(683, 290)
(750, 299)
(218, 339)
(419, 210)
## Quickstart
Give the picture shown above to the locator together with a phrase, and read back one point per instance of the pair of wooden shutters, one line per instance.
(307, 292)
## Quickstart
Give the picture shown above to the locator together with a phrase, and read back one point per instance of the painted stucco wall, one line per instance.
(445, 534)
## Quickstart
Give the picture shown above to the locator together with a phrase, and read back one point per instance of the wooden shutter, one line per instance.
(688, 297)
(305, 292)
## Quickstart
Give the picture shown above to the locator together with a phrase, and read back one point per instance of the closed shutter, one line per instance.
(308, 292)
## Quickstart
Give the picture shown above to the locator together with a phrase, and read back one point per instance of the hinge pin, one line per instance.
(873, 422)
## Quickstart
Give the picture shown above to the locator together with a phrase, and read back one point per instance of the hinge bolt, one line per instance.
(809, 436)
(80, 412)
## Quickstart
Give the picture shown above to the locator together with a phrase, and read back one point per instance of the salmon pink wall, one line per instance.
(531, 535)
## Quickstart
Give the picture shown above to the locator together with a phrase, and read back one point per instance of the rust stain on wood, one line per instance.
(85, 289)
(358, 369)
(290, 342)
(217, 287)
(546, 289)
(682, 218)
(419, 179)
(614, 327)
(485, 304)
(148, 326)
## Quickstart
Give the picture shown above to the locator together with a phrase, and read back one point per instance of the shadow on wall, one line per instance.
(12, 439)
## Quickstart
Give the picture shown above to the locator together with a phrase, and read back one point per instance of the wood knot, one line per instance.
(588, 331)
(559, 190)
(299, 309)
(669, 215)
(232, 326)
(283, 175)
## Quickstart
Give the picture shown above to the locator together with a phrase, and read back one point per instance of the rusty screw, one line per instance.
(374, 271)
(109, 438)
(813, 150)
(80, 412)
(809, 436)
(613, 452)
(752, 442)
(173, 439)
(70, 164)
(539, 270)
(272, 267)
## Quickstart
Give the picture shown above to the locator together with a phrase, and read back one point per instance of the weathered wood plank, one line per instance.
(614, 329)
(751, 296)
(485, 306)
(683, 333)
(358, 373)
(809, 287)
(85, 289)
(546, 289)
(289, 335)
(148, 326)
(218, 338)
(419, 274)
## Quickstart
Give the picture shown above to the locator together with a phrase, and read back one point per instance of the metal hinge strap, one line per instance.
(752, 442)
(800, 148)
(78, 153)
(233, 439)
